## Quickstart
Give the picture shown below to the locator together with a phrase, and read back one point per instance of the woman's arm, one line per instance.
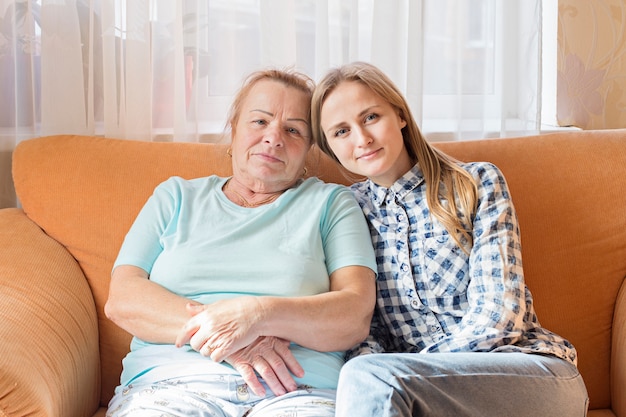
(154, 314)
(378, 340)
(143, 308)
(496, 294)
(332, 321)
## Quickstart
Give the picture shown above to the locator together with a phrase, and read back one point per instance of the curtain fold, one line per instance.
(166, 70)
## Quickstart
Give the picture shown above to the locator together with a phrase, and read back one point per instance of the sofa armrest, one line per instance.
(618, 355)
(49, 356)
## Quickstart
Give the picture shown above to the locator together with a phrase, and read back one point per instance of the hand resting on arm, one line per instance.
(250, 333)
(332, 321)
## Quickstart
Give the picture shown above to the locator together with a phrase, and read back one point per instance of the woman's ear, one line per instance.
(402, 119)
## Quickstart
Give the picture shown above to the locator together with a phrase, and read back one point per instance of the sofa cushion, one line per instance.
(49, 355)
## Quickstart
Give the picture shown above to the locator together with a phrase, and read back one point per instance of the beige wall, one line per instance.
(591, 64)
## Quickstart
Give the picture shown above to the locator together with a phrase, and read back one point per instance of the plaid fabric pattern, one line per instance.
(432, 296)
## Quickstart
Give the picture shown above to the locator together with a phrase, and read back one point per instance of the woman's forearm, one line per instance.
(143, 308)
(336, 320)
(338, 330)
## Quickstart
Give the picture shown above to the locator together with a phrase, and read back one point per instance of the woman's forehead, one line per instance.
(268, 95)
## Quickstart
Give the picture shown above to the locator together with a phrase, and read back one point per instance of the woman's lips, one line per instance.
(268, 157)
(368, 155)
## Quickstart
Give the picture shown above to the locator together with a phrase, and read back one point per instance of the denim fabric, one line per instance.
(460, 385)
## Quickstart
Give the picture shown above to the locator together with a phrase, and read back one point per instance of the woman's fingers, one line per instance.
(251, 378)
(270, 359)
(281, 347)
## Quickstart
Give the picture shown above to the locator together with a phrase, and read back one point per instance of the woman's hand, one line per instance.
(221, 328)
(272, 360)
(270, 357)
(335, 320)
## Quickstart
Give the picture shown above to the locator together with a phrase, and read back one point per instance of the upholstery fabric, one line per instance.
(51, 366)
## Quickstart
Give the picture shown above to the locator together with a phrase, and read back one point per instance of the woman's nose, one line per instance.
(363, 137)
(274, 136)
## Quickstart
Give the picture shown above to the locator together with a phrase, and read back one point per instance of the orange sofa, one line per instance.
(60, 355)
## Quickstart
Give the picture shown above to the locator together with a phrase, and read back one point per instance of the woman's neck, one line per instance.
(246, 197)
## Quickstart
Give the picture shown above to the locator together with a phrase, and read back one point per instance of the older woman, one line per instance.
(264, 271)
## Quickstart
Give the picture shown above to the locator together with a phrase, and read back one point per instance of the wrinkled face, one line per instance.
(365, 133)
(272, 137)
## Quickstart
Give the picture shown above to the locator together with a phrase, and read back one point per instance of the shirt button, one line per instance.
(434, 329)
(400, 217)
(404, 267)
(415, 304)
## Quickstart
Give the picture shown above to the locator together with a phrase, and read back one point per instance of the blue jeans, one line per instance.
(460, 385)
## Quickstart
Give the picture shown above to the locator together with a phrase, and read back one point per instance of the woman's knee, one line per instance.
(363, 367)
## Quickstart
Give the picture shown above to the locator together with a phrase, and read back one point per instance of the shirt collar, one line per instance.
(404, 185)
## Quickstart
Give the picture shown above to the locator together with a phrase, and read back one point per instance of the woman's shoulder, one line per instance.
(176, 185)
(488, 178)
(325, 192)
(483, 171)
(362, 191)
(180, 182)
(481, 167)
(314, 183)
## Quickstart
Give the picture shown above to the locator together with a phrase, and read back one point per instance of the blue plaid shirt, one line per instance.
(432, 296)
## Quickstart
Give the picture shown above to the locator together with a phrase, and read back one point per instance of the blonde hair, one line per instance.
(288, 77)
(445, 179)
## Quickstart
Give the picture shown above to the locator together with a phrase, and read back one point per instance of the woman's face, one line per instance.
(364, 132)
(272, 137)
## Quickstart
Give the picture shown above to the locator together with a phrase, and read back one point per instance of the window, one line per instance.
(167, 69)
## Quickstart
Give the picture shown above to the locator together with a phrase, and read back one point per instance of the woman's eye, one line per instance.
(259, 122)
(370, 117)
(293, 131)
(340, 132)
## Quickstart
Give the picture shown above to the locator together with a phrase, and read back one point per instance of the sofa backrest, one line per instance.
(568, 189)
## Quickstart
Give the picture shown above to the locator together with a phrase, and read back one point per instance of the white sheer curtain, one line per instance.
(166, 69)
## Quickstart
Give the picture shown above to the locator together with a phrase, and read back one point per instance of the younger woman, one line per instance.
(455, 331)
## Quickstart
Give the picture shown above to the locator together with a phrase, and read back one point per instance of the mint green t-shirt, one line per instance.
(196, 243)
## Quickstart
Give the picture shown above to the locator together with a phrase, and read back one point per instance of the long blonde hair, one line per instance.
(445, 179)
